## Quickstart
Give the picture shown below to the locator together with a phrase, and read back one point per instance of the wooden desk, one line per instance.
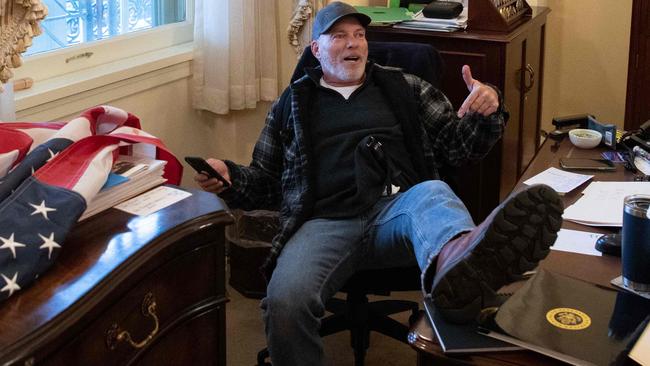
(110, 268)
(598, 270)
(512, 61)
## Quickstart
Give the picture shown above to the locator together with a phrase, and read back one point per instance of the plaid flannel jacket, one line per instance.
(279, 176)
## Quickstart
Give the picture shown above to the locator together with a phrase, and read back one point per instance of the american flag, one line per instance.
(49, 178)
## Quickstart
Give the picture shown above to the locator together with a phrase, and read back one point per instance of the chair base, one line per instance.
(360, 317)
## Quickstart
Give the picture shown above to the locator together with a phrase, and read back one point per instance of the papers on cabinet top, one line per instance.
(435, 24)
(130, 176)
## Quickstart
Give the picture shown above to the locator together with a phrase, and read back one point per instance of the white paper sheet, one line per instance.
(641, 350)
(602, 203)
(559, 180)
(575, 241)
(152, 201)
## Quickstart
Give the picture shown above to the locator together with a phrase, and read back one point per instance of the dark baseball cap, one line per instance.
(332, 13)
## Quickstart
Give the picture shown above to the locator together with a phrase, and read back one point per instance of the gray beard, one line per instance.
(341, 74)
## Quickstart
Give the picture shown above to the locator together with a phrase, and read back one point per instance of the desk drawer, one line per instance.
(183, 289)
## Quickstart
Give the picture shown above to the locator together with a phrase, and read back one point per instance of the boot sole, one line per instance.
(517, 239)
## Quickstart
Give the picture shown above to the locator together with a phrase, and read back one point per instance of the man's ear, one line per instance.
(315, 49)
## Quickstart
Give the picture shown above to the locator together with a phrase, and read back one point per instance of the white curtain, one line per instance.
(235, 54)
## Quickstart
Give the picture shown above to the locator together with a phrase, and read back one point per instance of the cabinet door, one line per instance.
(187, 312)
(522, 91)
(637, 108)
(531, 103)
(485, 60)
(513, 95)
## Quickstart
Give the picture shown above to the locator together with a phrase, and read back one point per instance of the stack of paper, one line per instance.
(602, 203)
(435, 24)
(130, 176)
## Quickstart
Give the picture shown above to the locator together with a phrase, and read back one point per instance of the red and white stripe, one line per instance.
(98, 120)
(105, 119)
(15, 145)
(84, 166)
(39, 132)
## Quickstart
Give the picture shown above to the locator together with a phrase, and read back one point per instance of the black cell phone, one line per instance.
(586, 164)
(202, 166)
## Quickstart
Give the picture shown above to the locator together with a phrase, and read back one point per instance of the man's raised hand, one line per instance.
(481, 99)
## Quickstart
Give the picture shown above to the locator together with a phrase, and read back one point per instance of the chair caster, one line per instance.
(262, 356)
(415, 315)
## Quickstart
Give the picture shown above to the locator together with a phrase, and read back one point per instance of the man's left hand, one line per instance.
(481, 99)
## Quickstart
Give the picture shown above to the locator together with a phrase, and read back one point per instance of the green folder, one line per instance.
(384, 15)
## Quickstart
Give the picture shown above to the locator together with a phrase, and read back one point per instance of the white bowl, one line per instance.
(584, 138)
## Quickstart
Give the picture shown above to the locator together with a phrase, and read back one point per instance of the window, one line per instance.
(71, 22)
(83, 34)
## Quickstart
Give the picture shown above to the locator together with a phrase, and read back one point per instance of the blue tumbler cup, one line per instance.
(636, 243)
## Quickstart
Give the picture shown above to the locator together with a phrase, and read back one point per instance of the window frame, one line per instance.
(68, 60)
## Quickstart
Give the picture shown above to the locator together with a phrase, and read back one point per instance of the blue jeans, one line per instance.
(320, 257)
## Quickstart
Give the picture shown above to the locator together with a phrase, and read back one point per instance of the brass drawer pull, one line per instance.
(531, 78)
(115, 334)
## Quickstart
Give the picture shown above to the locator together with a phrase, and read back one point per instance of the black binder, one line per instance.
(462, 338)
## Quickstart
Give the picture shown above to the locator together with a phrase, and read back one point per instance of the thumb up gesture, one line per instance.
(481, 99)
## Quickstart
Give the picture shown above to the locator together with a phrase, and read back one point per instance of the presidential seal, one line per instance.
(567, 318)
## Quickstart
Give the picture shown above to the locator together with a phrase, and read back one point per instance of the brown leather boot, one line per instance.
(511, 240)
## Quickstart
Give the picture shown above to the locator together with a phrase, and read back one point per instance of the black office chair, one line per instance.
(356, 313)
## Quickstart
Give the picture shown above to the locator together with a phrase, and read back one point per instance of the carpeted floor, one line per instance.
(245, 337)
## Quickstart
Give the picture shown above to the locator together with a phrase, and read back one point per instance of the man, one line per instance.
(318, 160)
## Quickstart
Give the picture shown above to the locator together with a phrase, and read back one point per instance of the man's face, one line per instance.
(342, 52)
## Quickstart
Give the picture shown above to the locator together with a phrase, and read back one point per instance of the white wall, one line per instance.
(587, 51)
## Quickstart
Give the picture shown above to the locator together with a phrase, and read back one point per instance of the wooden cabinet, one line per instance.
(161, 278)
(513, 62)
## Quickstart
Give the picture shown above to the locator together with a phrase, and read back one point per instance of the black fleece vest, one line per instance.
(401, 99)
(349, 179)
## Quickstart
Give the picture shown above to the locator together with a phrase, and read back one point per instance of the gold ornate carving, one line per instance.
(18, 25)
(299, 37)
